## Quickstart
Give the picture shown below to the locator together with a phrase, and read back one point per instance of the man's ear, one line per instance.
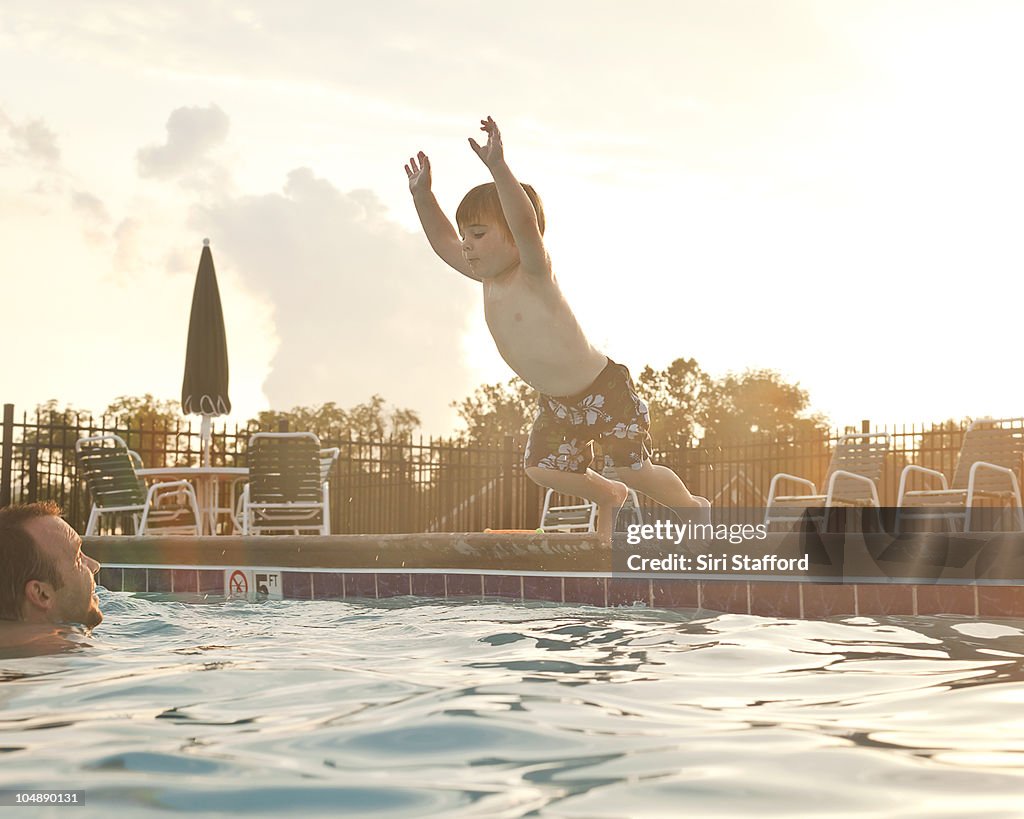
(39, 594)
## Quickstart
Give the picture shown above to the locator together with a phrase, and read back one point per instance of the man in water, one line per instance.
(46, 582)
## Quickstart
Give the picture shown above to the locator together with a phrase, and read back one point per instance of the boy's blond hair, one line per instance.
(482, 206)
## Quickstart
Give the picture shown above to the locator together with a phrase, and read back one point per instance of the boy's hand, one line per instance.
(492, 153)
(419, 174)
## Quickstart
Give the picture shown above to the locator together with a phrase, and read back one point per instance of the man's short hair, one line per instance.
(482, 206)
(21, 557)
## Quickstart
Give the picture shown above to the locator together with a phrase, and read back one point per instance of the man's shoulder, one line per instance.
(18, 639)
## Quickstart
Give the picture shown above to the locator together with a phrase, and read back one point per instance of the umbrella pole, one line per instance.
(206, 439)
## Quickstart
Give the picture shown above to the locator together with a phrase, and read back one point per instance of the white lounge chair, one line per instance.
(990, 459)
(851, 481)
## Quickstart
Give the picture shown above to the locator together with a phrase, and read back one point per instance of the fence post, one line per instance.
(33, 473)
(282, 425)
(865, 426)
(507, 470)
(8, 456)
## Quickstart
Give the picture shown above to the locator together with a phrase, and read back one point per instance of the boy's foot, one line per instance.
(606, 512)
(705, 510)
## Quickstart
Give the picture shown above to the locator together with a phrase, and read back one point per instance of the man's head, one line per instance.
(486, 238)
(46, 577)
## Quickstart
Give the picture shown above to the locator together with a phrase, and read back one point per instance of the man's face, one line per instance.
(75, 601)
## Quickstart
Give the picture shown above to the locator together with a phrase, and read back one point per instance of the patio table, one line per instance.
(209, 482)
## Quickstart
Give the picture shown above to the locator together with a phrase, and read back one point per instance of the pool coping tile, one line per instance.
(775, 599)
(393, 585)
(1000, 601)
(882, 599)
(328, 586)
(360, 585)
(465, 585)
(505, 586)
(184, 581)
(428, 585)
(297, 585)
(946, 599)
(543, 588)
(822, 600)
(676, 594)
(111, 579)
(586, 591)
(623, 591)
(158, 580)
(728, 596)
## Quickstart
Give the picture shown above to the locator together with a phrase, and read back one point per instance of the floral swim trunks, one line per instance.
(608, 411)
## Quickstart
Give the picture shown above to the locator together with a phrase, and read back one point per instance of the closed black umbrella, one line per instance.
(204, 390)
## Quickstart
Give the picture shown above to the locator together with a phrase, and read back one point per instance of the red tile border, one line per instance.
(767, 598)
(211, 581)
(775, 599)
(827, 600)
(676, 594)
(1000, 601)
(543, 588)
(328, 586)
(158, 580)
(586, 591)
(392, 585)
(724, 595)
(111, 579)
(360, 585)
(296, 585)
(507, 586)
(428, 585)
(879, 599)
(185, 581)
(946, 599)
(134, 579)
(465, 585)
(623, 591)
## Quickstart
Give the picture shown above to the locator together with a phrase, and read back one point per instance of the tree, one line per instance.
(677, 397)
(369, 421)
(152, 427)
(758, 401)
(45, 454)
(494, 411)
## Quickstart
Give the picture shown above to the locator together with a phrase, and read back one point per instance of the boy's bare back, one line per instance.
(532, 324)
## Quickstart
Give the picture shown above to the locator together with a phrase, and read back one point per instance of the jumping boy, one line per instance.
(584, 395)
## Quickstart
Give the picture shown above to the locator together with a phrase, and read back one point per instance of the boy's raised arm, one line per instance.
(515, 204)
(440, 233)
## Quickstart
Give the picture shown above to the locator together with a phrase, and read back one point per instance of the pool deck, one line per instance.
(973, 575)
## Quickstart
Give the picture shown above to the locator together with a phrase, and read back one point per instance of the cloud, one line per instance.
(94, 213)
(128, 247)
(31, 140)
(191, 133)
(90, 206)
(361, 305)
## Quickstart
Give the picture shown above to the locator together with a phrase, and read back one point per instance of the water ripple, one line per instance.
(417, 708)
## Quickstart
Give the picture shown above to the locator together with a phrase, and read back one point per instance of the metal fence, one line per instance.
(396, 485)
(402, 485)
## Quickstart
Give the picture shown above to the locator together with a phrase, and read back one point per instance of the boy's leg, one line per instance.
(608, 495)
(626, 441)
(661, 484)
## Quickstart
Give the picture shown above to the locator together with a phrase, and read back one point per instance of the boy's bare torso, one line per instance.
(531, 323)
(537, 334)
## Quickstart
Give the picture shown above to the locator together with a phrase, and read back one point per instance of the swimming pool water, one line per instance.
(416, 707)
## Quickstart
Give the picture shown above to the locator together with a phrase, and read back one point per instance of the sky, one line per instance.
(831, 190)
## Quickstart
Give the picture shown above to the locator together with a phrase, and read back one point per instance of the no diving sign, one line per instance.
(253, 584)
